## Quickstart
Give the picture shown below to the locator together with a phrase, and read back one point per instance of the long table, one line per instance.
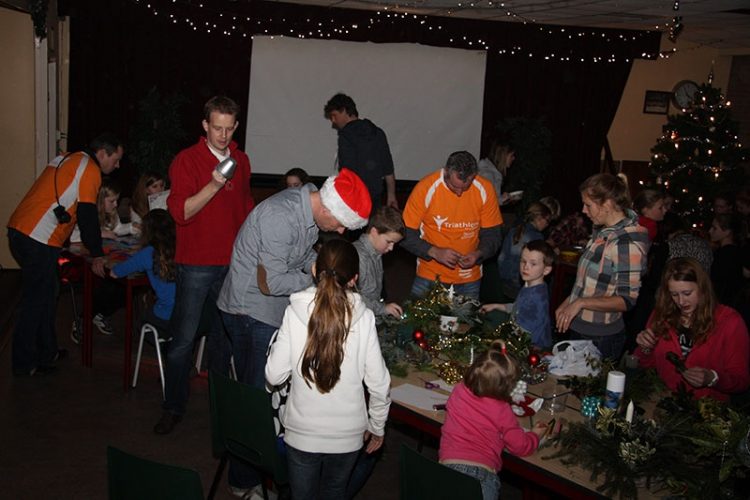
(552, 475)
(115, 252)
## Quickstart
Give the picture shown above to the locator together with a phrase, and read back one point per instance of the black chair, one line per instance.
(242, 426)
(425, 479)
(134, 478)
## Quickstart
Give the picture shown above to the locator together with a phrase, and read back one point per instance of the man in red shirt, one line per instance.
(208, 209)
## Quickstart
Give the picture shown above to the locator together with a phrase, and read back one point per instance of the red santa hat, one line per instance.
(347, 198)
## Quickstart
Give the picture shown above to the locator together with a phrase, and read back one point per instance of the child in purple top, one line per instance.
(479, 422)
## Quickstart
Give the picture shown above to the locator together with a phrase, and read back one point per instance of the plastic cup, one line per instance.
(555, 399)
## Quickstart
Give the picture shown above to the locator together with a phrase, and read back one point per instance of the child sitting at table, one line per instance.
(531, 308)
(156, 259)
(149, 185)
(535, 222)
(110, 296)
(109, 219)
(386, 228)
(479, 423)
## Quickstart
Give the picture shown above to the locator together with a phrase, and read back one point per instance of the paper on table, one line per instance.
(416, 396)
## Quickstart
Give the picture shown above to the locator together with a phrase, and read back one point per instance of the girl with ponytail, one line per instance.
(327, 344)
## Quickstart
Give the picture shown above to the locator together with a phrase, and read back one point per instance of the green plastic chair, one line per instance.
(425, 479)
(135, 478)
(242, 426)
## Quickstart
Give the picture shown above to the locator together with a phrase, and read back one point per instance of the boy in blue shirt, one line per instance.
(531, 308)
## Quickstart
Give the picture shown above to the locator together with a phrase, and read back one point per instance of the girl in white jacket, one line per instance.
(328, 344)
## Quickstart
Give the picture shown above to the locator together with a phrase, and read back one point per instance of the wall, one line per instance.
(633, 132)
(17, 118)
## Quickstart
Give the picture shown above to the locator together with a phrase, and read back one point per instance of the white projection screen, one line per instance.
(428, 100)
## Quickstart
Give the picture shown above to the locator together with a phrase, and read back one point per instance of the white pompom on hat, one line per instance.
(347, 198)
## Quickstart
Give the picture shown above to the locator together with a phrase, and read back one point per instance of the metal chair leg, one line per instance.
(217, 476)
(137, 367)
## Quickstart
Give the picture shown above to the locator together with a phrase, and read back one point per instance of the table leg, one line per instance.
(87, 333)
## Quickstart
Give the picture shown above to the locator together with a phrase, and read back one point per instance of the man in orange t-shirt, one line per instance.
(452, 222)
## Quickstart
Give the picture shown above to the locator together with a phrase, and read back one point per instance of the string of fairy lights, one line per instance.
(205, 18)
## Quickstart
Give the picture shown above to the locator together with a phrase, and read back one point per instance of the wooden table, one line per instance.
(552, 475)
(115, 252)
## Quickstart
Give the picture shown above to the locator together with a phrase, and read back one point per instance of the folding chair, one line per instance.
(425, 479)
(134, 478)
(242, 426)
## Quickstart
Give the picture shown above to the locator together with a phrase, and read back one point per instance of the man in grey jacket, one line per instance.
(272, 257)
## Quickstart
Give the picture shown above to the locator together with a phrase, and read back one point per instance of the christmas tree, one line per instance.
(699, 155)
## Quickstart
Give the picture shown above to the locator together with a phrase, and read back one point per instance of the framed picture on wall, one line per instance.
(656, 102)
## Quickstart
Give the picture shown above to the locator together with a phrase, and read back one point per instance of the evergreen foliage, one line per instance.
(158, 134)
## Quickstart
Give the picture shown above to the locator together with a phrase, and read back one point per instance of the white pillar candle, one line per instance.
(629, 412)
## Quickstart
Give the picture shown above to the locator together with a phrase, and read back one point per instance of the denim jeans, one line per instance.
(489, 480)
(250, 339)
(195, 286)
(609, 345)
(34, 339)
(421, 285)
(362, 471)
(319, 475)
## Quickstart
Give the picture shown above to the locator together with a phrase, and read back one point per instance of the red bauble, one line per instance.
(422, 344)
(534, 359)
(418, 335)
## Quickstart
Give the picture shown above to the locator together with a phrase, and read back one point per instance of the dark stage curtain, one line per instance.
(119, 51)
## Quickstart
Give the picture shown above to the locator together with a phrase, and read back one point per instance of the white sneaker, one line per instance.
(254, 493)
(102, 324)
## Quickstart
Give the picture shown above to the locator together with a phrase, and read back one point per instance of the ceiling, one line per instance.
(722, 24)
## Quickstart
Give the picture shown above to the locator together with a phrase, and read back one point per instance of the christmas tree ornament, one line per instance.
(418, 335)
(590, 406)
(534, 359)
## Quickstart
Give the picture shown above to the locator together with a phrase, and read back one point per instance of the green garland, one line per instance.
(416, 340)
(692, 448)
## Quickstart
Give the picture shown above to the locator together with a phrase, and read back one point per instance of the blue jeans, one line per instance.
(195, 286)
(362, 471)
(319, 475)
(489, 480)
(34, 339)
(609, 345)
(250, 339)
(421, 285)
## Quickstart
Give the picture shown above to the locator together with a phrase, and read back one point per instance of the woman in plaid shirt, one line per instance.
(609, 271)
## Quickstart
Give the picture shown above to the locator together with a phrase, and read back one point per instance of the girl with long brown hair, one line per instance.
(149, 184)
(693, 339)
(328, 345)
